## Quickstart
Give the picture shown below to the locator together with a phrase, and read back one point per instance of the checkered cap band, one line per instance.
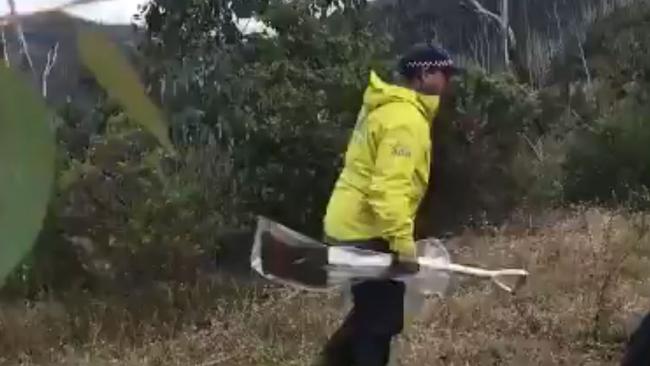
(430, 64)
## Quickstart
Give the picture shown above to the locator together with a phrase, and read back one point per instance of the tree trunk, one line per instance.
(505, 27)
(5, 51)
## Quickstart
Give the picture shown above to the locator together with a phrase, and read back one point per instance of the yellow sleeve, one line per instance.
(391, 186)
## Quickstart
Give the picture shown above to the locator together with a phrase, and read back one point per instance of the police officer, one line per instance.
(377, 194)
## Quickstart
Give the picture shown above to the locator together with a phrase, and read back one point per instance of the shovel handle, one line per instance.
(494, 275)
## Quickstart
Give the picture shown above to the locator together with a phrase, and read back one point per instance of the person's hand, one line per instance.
(405, 258)
(408, 264)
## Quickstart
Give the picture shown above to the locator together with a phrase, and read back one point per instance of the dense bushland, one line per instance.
(259, 122)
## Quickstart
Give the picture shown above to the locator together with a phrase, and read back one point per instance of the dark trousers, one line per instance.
(638, 348)
(377, 316)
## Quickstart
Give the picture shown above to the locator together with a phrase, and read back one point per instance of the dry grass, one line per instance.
(587, 275)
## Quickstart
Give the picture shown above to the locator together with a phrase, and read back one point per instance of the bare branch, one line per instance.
(21, 35)
(585, 66)
(52, 57)
(12, 17)
(501, 21)
(481, 10)
(581, 38)
(537, 148)
(505, 26)
(5, 46)
(512, 37)
(558, 24)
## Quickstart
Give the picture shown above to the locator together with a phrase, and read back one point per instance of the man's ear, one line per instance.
(420, 75)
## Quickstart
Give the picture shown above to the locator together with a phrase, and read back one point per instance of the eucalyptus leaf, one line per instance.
(115, 74)
(27, 158)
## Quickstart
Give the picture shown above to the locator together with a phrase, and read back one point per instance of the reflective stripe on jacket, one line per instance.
(386, 169)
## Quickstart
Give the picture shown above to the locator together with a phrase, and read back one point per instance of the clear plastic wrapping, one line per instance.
(287, 257)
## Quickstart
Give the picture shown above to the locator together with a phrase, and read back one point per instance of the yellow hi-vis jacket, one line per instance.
(386, 168)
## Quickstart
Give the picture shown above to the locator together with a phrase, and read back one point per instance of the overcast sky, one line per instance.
(110, 11)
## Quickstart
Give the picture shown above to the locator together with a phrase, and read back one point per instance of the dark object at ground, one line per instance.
(638, 347)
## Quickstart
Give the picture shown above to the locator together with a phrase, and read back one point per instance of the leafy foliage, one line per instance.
(32, 173)
(259, 122)
(27, 151)
(478, 139)
(282, 104)
(120, 80)
(608, 159)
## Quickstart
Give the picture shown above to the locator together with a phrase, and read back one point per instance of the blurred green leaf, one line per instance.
(114, 73)
(27, 152)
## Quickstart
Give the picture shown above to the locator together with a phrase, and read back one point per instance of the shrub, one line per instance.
(608, 158)
(610, 162)
(479, 137)
(125, 216)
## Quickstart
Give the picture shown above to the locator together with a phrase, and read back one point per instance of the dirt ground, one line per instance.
(589, 273)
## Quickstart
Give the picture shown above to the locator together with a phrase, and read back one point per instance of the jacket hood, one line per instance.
(379, 93)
